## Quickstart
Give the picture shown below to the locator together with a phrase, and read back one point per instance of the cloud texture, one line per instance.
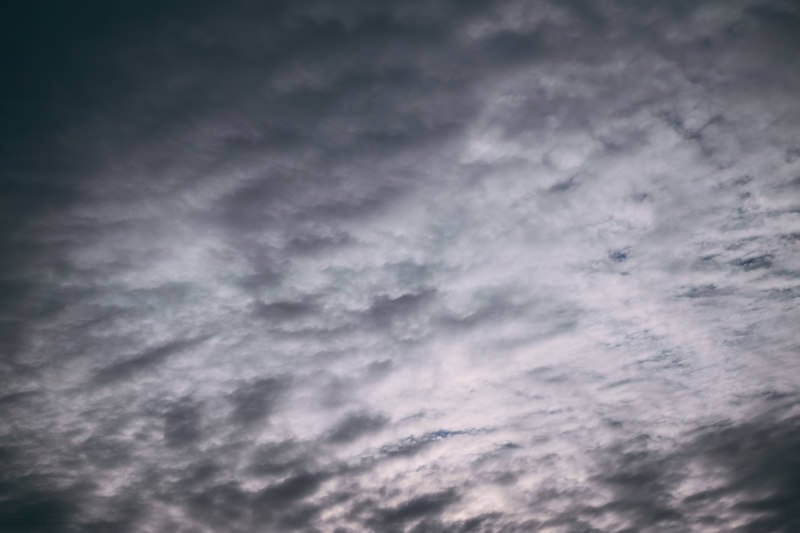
(375, 266)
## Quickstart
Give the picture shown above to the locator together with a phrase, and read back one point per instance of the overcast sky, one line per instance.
(441, 266)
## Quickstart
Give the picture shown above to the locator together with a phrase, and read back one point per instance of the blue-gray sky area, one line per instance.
(441, 266)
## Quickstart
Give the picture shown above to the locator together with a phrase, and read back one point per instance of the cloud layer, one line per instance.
(452, 266)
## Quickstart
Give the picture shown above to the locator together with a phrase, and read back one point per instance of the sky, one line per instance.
(442, 266)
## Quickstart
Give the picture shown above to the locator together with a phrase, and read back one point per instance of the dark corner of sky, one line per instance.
(441, 266)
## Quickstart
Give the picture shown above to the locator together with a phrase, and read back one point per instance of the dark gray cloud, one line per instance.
(255, 401)
(728, 475)
(143, 362)
(33, 509)
(355, 425)
(182, 424)
(442, 266)
(423, 506)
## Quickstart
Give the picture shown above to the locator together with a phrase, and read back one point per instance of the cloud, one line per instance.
(354, 426)
(297, 266)
(253, 402)
(142, 362)
(727, 473)
(29, 509)
(427, 506)
(182, 424)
